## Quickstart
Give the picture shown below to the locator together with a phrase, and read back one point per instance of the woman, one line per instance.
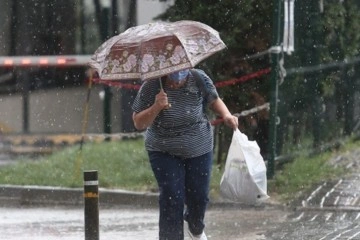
(179, 141)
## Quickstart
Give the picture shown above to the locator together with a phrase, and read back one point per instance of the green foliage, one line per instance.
(325, 37)
(341, 30)
(244, 26)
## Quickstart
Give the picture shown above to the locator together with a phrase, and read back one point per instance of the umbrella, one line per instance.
(155, 49)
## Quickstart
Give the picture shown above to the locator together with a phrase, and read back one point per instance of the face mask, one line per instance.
(178, 76)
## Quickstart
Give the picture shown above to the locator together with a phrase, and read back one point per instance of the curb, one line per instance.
(14, 195)
(57, 196)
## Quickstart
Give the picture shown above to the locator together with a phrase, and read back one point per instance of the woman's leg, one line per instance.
(197, 182)
(169, 172)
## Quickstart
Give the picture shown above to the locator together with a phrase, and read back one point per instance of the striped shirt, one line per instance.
(184, 129)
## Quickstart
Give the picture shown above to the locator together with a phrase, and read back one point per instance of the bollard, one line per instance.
(91, 202)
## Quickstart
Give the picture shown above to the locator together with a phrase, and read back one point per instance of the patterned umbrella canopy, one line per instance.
(155, 49)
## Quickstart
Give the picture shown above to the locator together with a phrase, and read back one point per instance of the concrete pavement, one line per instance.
(54, 213)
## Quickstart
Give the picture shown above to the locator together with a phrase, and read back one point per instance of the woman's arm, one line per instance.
(145, 118)
(220, 109)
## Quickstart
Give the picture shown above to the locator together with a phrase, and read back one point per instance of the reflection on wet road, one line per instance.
(68, 224)
(322, 225)
(130, 223)
(331, 211)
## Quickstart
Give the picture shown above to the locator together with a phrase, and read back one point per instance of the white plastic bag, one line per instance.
(244, 179)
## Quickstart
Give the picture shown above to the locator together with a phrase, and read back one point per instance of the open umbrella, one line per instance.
(155, 49)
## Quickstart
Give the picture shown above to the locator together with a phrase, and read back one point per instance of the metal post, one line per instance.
(25, 89)
(107, 97)
(91, 202)
(107, 111)
(274, 88)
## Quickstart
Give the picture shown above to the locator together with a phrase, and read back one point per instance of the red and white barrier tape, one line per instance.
(265, 106)
(117, 84)
(217, 84)
(119, 136)
(243, 78)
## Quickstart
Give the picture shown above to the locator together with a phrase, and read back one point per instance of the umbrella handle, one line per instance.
(161, 86)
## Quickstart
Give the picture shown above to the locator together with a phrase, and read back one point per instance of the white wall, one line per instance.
(10, 113)
(148, 9)
(58, 111)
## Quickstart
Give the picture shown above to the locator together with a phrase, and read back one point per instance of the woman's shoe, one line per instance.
(198, 237)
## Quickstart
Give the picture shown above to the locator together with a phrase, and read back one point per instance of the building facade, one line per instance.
(50, 99)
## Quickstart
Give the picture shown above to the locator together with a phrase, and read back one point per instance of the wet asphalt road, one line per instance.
(129, 223)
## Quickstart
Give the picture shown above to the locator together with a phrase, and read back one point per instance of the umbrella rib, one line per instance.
(188, 56)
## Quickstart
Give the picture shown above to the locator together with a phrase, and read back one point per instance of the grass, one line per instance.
(125, 165)
(119, 164)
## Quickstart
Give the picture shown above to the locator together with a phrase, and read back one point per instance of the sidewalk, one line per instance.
(58, 214)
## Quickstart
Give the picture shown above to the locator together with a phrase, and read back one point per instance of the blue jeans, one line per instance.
(181, 182)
